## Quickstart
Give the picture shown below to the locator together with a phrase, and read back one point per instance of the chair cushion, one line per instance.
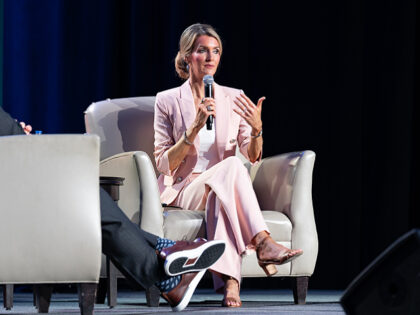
(190, 224)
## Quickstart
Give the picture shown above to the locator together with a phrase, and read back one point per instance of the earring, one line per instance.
(188, 67)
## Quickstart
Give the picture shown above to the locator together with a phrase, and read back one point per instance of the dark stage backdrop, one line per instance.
(339, 77)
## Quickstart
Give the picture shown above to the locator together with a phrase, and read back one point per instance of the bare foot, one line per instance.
(231, 296)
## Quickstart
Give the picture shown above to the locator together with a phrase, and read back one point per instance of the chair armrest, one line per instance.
(139, 196)
(284, 183)
(151, 208)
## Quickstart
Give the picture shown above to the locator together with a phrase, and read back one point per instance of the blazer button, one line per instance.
(179, 179)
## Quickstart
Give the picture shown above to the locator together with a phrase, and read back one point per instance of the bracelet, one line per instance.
(257, 135)
(186, 139)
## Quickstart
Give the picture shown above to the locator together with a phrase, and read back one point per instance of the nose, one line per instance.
(209, 56)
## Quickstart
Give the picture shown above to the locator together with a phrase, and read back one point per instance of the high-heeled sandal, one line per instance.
(269, 265)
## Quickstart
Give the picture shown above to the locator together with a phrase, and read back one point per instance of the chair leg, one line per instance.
(34, 296)
(43, 294)
(300, 289)
(101, 291)
(87, 294)
(8, 296)
(112, 285)
(152, 296)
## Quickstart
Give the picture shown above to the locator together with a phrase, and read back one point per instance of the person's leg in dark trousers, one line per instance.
(131, 249)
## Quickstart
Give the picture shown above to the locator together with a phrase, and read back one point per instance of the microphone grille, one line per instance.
(208, 79)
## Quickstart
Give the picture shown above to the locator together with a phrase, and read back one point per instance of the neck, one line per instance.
(197, 87)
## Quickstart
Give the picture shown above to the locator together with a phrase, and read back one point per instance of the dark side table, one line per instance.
(112, 186)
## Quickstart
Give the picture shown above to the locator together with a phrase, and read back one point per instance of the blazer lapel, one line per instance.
(187, 108)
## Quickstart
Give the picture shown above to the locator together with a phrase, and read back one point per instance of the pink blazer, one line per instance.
(174, 113)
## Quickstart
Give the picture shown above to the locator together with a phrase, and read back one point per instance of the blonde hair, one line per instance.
(186, 45)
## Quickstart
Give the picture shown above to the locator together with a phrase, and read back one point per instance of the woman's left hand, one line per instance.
(250, 112)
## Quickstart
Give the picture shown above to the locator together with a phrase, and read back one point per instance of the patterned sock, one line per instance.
(163, 243)
(169, 282)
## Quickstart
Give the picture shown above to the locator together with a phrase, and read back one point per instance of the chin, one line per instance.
(209, 72)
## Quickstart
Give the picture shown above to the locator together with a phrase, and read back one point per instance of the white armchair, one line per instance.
(283, 185)
(50, 229)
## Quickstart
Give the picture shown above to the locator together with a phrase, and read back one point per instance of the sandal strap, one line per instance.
(258, 246)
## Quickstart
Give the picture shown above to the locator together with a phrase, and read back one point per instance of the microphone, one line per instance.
(208, 92)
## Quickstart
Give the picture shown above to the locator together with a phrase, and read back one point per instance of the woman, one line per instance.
(198, 166)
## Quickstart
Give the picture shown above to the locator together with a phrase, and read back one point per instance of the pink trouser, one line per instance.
(232, 212)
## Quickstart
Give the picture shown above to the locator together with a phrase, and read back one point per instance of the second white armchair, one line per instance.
(283, 185)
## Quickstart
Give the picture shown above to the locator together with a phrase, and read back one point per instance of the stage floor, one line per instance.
(204, 301)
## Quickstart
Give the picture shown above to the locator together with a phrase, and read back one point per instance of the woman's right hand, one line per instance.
(177, 153)
(206, 108)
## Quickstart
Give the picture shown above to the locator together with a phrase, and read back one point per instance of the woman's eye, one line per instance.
(216, 51)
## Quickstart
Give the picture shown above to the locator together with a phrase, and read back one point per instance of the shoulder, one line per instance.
(167, 97)
(174, 92)
(230, 91)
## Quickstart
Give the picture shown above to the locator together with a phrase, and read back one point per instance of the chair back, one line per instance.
(123, 125)
(126, 124)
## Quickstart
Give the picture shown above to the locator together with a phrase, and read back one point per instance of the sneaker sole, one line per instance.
(205, 256)
(189, 292)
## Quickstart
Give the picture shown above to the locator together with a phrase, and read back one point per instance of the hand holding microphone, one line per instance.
(207, 108)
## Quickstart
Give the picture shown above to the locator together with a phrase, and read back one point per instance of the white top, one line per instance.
(207, 140)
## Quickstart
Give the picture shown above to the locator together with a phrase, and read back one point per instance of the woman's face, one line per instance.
(204, 58)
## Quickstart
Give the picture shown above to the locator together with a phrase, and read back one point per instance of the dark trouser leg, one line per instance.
(131, 249)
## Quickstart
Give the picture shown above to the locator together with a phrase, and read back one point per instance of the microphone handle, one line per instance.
(208, 92)
(209, 122)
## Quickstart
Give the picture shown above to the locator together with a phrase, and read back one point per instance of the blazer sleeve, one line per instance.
(9, 126)
(163, 136)
(244, 138)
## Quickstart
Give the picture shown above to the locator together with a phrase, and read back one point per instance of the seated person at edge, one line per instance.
(198, 168)
(144, 258)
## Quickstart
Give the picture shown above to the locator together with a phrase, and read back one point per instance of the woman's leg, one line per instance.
(229, 281)
(232, 211)
(231, 296)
